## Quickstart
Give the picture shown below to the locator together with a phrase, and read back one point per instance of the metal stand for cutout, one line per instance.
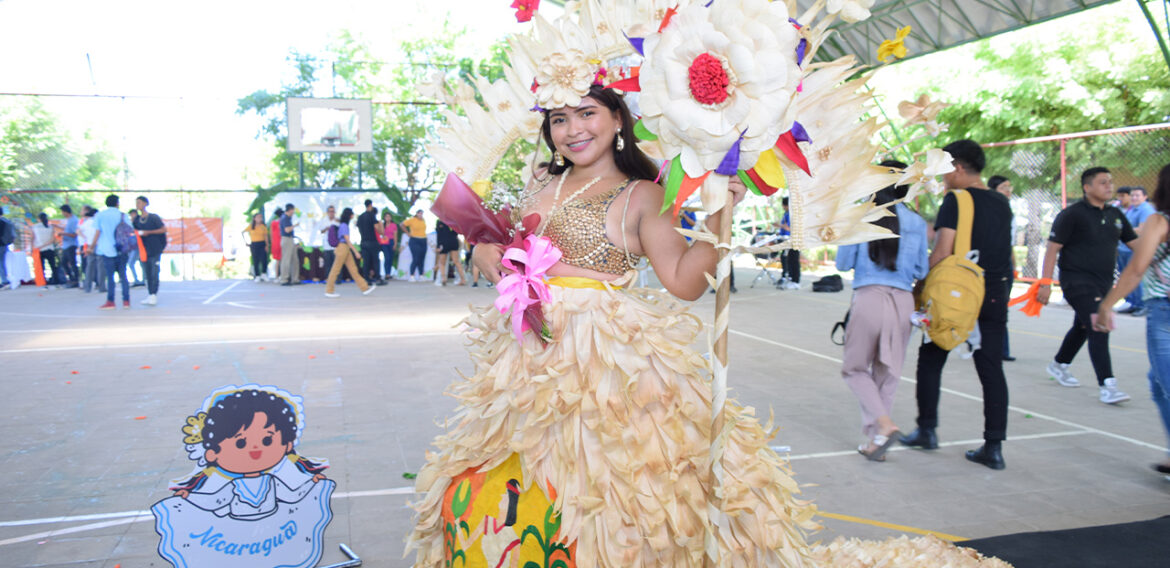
(353, 561)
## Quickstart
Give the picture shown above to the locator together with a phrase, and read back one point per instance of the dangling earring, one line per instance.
(558, 160)
(621, 144)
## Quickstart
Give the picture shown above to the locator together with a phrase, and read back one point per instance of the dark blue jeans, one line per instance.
(116, 264)
(150, 271)
(418, 255)
(68, 260)
(1134, 298)
(1158, 348)
(388, 258)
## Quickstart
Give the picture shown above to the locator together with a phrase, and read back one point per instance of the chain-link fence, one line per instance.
(1046, 176)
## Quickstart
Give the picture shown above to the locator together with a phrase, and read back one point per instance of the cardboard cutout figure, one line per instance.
(252, 501)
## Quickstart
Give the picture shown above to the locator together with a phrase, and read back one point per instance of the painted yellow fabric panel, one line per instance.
(490, 520)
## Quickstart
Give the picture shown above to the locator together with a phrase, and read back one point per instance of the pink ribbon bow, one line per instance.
(524, 290)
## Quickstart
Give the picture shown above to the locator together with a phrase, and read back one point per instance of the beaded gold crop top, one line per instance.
(577, 228)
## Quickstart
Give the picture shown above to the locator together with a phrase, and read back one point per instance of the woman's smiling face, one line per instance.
(255, 448)
(584, 133)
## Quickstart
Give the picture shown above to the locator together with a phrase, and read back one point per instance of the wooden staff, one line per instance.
(719, 381)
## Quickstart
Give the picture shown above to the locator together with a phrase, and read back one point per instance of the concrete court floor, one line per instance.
(90, 437)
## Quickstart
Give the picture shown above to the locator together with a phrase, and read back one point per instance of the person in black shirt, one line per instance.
(1084, 237)
(154, 239)
(991, 236)
(369, 227)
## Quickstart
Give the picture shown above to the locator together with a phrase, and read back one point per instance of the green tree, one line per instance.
(38, 152)
(1065, 76)
(403, 121)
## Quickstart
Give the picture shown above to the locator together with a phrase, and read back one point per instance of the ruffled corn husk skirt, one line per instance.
(609, 423)
(593, 450)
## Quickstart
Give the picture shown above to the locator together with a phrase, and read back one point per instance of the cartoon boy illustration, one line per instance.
(244, 439)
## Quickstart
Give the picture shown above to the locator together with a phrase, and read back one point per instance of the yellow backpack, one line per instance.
(953, 293)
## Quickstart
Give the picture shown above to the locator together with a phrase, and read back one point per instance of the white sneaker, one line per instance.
(1110, 394)
(332, 295)
(1059, 371)
(439, 283)
(1122, 306)
(413, 279)
(792, 286)
(256, 279)
(367, 291)
(150, 300)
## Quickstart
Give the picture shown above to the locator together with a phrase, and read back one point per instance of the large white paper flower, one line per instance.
(923, 112)
(563, 78)
(924, 174)
(717, 73)
(850, 10)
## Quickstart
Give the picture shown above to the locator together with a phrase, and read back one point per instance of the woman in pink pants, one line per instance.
(884, 272)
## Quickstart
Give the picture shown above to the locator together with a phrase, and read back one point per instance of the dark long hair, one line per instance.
(236, 411)
(884, 252)
(631, 161)
(1161, 196)
(346, 215)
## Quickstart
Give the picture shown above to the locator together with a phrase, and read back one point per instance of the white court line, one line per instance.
(222, 292)
(74, 518)
(1034, 414)
(140, 515)
(70, 530)
(376, 492)
(941, 445)
(233, 341)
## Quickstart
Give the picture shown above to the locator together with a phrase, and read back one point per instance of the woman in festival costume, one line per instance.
(600, 418)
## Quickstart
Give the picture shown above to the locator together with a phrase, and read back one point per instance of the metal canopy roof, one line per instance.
(935, 24)
(939, 24)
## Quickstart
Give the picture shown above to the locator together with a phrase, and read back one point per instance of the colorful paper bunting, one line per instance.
(787, 145)
(730, 163)
(769, 170)
(799, 133)
(637, 43)
(666, 19)
(629, 85)
(765, 189)
(749, 182)
(673, 181)
(643, 133)
(686, 188)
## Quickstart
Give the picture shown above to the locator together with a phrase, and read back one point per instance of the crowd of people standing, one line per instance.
(379, 250)
(88, 251)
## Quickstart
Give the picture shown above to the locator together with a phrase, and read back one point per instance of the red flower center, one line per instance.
(708, 80)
